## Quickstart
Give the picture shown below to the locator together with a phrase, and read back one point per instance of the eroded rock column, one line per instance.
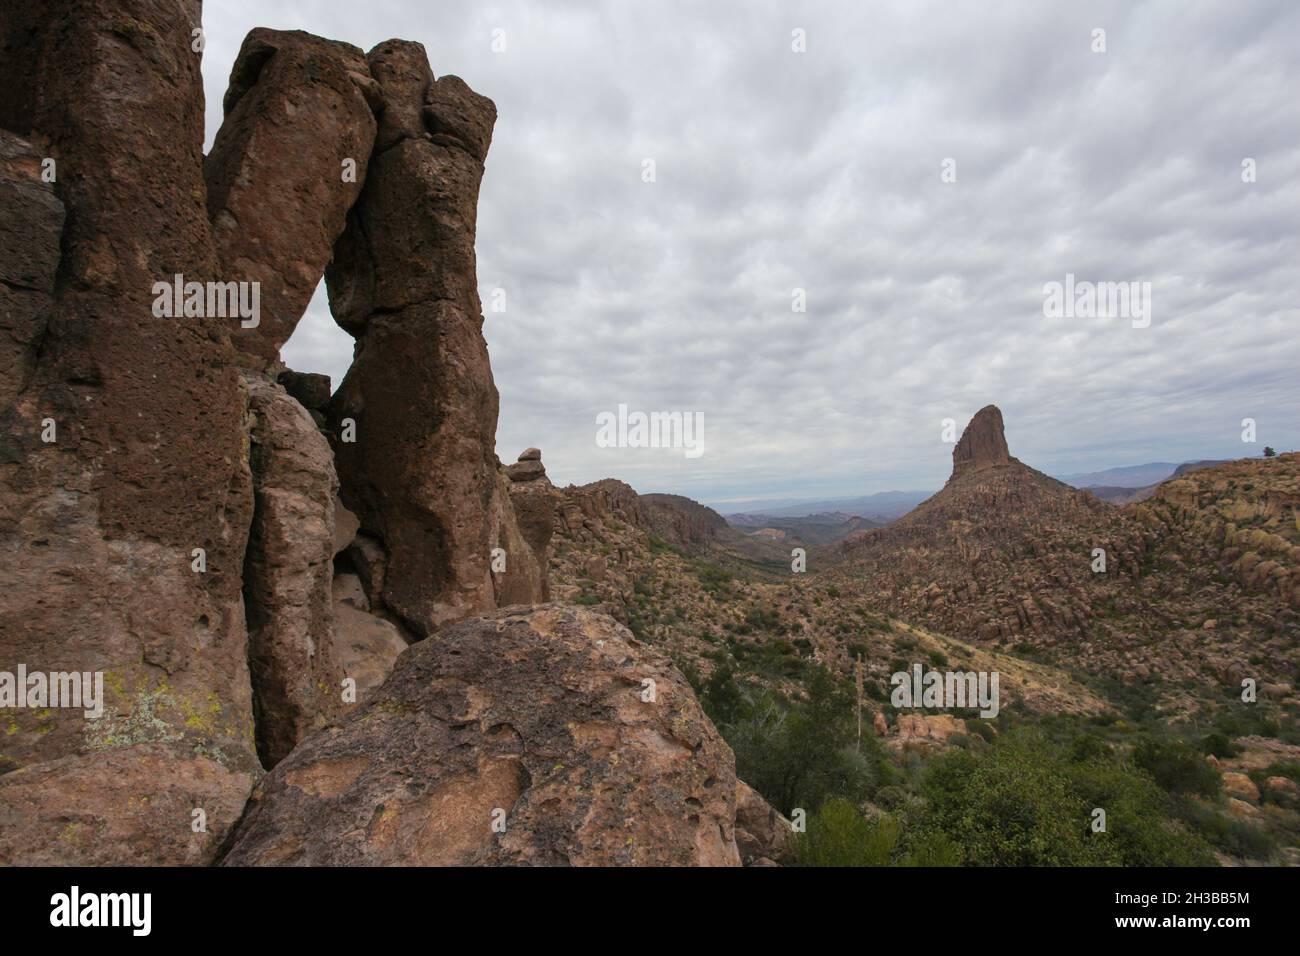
(415, 419)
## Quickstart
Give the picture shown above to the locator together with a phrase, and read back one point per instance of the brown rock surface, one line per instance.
(534, 712)
(278, 198)
(312, 389)
(524, 580)
(1241, 786)
(129, 806)
(346, 589)
(346, 524)
(288, 573)
(762, 834)
(529, 470)
(31, 225)
(367, 559)
(99, 529)
(403, 282)
(927, 728)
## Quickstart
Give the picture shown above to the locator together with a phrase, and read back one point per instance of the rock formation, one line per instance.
(243, 557)
(414, 421)
(1000, 551)
(288, 573)
(983, 444)
(523, 520)
(1005, 554)
(285, 168)
(31, 224)
(686, 523)
(543, 736)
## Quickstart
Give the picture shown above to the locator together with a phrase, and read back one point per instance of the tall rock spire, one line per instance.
(982, 445)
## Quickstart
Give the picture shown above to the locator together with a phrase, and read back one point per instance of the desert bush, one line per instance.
(1219, 744)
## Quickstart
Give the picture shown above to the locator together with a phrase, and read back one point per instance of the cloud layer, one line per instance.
(822, 171)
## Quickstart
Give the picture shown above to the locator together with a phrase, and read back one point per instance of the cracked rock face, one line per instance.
(533, 719)
(403, 283)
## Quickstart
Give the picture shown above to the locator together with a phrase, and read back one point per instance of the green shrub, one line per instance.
(721, 697)
(838, 835)
(1176, 767)
(1235, 837)
(1024, 802)
(932, 848)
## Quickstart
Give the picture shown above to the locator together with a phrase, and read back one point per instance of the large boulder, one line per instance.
(366, 646)
(544, 735)
(286, 166)
(523, 520)
(762, 833)
(414, 420)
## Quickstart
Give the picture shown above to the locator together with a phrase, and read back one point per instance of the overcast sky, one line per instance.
(824, 171)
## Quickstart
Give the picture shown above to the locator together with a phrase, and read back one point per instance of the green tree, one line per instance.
(799, 753)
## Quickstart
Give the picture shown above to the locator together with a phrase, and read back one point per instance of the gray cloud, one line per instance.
(821, 170)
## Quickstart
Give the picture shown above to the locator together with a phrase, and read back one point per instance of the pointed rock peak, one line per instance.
(982, 445)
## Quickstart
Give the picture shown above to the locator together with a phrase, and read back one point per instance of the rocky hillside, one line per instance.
(1001, 549)
(241, 553)
(706, 612)
(1139, 666)
(1198, 580)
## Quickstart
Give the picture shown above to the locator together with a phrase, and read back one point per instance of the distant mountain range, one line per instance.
(816, 529)
(1116, 485)
(1130, 476)
(882, 507)
(1123, 494)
